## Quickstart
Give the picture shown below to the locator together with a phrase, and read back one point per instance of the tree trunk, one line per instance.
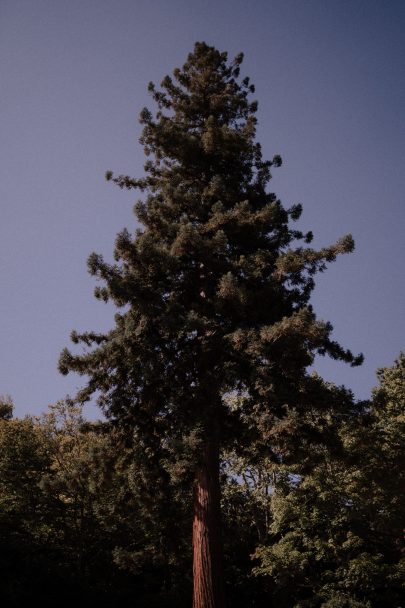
(207, 544)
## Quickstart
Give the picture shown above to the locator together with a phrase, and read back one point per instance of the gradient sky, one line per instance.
(329, 78)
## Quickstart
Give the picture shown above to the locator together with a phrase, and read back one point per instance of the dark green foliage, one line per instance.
(79, 524)
(337, 535)
(6, 407)
(24, 513)
(214, 288)
(73, 525)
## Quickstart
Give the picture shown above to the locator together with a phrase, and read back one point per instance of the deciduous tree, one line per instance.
(336, 537)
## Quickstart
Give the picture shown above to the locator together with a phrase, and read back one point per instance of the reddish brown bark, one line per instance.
(207, 544)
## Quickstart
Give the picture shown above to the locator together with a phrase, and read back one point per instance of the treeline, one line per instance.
(89, 516)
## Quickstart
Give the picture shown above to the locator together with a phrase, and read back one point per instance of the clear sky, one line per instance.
(329, 78)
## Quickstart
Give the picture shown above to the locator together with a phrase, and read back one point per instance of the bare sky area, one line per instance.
(330, 82)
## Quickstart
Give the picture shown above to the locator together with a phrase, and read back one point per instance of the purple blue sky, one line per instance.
(329, 78)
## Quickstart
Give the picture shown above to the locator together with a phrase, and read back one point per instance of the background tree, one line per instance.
(215, 300)
(73, 525)
(6, 407)
(336, 537)
(24, 527)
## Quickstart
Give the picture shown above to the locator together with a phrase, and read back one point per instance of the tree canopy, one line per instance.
(214, 291)
(324, 530)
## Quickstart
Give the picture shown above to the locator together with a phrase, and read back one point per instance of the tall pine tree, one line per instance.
(214, 297)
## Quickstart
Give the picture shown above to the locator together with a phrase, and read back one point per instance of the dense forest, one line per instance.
(79, 521)
(224, 471)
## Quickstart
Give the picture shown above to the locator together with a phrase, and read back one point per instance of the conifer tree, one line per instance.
(214, 296)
